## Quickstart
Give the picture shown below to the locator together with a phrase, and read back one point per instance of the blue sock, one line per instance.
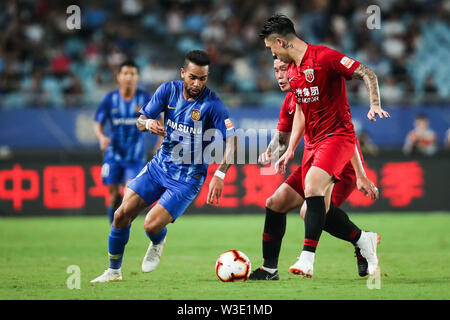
(157, 238)
(111, 214)
(118, 238)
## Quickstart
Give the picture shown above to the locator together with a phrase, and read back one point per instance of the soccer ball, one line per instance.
(233, 265)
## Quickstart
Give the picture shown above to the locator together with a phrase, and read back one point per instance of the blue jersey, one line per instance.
(127, 142)
(187, 124)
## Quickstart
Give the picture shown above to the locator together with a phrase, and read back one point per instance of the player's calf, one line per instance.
(155, 228)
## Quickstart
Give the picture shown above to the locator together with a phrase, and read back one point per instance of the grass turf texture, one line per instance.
(35, 253)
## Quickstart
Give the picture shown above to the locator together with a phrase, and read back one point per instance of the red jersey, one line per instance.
(286, 119)
(287, 113)
(319, 86)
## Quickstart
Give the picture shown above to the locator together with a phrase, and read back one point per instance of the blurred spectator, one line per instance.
(421, 140)
(408, 53)
(34, 91)
(430, 86)
(132, 8)
(390, 91)
(95, 15)
(60, 62)
(73, 91)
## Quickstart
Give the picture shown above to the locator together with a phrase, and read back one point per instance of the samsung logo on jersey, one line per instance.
(183, 128)
(124, 121)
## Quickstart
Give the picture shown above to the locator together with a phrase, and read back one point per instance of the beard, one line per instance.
(189, 92)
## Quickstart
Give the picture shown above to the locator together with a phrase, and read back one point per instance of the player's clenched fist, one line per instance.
(154, 126)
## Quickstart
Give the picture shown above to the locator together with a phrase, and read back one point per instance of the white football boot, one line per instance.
(304, 265)
(153, 256)
(367, 244)
(108, 276)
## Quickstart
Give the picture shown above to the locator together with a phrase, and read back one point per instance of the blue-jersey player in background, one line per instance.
(124, 151)
(175, 175)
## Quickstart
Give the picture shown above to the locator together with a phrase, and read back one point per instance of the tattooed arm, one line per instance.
(371, 82)
(229, 158)
(298, 130)
(276, 148)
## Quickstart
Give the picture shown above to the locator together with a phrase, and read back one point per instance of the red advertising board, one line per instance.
(53, 188)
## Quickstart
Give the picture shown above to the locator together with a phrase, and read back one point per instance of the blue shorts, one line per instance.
(152, 184)
(114, 172)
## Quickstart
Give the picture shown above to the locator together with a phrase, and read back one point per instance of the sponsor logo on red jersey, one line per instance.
(347, 62)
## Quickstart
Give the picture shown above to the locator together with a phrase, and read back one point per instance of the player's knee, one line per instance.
(152, 227)
(121, 218)
(275, 203)
(313, 190)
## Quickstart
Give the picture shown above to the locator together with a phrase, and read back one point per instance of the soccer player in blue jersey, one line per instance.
(124, 151)
(175, 175)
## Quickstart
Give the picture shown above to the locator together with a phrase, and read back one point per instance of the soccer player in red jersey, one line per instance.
(290, 194)
(317, 77)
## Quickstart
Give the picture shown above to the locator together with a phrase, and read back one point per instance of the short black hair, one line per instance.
(279, 24)
(198, 57)
(128, 63)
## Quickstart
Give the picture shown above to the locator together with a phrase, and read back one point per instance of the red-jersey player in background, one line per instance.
(290, 194)
(317, 77)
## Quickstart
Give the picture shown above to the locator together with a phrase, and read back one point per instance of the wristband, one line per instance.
(146, 124)
(219, 174)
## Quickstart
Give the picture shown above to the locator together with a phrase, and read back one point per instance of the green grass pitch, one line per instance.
(36, 252)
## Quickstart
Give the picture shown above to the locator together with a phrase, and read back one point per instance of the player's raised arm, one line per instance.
(371, 81)
(229, 158)
(362, 182)
(298, 129)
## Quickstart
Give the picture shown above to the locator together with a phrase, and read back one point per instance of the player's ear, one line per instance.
(182, 73)
(281, 42)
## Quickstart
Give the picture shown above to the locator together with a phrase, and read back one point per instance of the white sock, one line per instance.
(361, 238)
(115, 270)
(308, 255)
(270, 270)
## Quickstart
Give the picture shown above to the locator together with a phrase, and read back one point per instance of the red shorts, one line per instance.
(295, 181)
(341, 191)
(331, 155)
(325, 156)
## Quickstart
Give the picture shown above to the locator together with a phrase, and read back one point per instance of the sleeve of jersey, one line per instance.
(102, 111)
(285, 120)
(158, 102)
(340, 63)
(222, 121)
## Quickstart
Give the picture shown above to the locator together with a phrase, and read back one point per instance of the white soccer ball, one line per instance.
(233, 265)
